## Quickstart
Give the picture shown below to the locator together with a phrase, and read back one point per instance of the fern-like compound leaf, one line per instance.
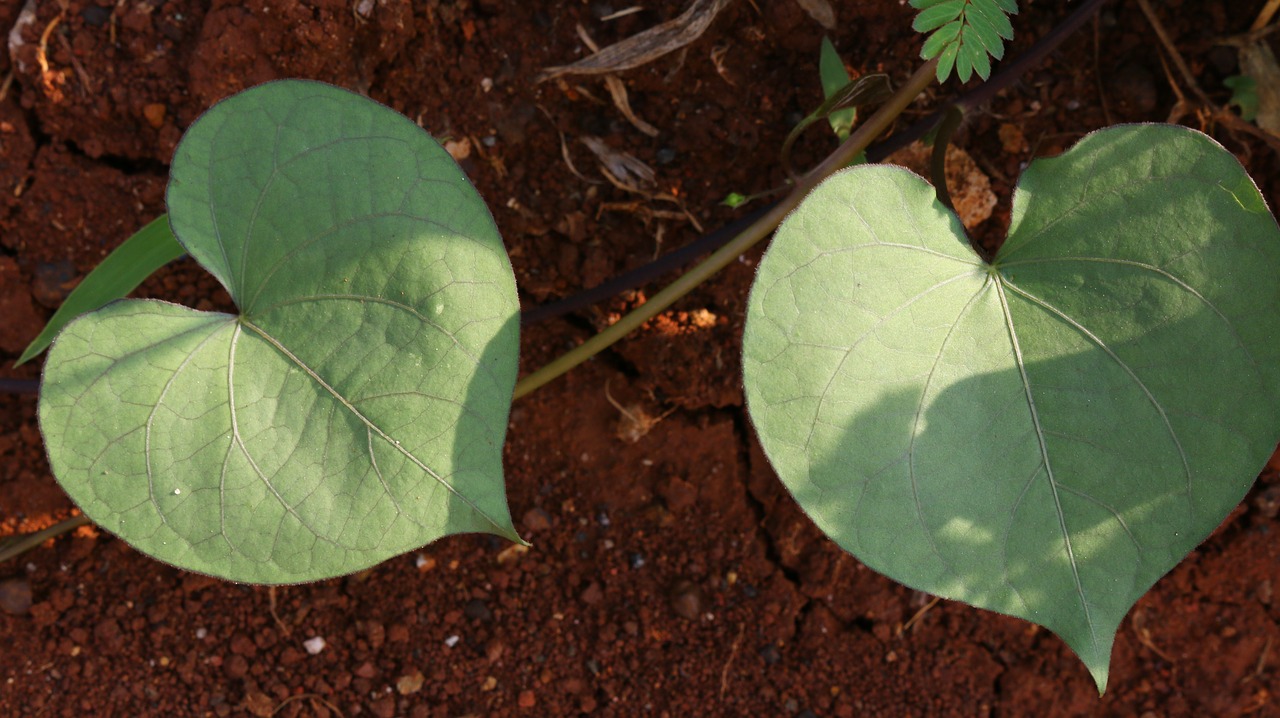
(964, 34)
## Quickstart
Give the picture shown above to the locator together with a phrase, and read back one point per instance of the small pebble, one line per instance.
(686, 600)
(536, 519)
(15, 596)
(637, 560)
(477, 610)
(155, 114)
(52, 282)
(770, 654)
(95, 16)
(314, 645)
(452, 641)
(593, 594)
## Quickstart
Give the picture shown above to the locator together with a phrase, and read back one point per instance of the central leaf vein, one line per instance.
(1097, 341)
(1044, 458)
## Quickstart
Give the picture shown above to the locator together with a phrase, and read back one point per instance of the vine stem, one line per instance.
(758, 230)
(14, 546)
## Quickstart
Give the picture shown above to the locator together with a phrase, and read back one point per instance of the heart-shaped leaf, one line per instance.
(356, 406)
(1045, 435)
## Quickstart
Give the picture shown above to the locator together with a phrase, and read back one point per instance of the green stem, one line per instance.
(938, 160)
(857, 142)
(14, 546)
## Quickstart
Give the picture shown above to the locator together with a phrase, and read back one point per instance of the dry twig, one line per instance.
(911, 622)
(1217, 113)
(733, 653)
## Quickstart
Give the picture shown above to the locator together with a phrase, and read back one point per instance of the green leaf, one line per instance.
(149, 249)
(942, 39)
(964, 60)
(1009, 7)
(864, 90)
(355, 408)
(988, 12)
(969, 40)
(1045, 435)
(938, 15)
(979, 29)
(834, 79)
(975, 56)
(947, 60)
(1244, 94)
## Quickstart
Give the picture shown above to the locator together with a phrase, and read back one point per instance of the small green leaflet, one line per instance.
(1046, 435)
(964, 34)
(834, 80)
(356, 405)
(1244, 95)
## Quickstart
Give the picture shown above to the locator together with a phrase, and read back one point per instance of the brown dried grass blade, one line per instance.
(646, 46)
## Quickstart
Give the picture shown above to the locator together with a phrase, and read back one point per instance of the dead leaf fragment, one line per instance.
(619, 93)
(1259, 62)
(1012, 139)
(259, 704)
(821, 11)
(459, 150)
(970, 187)
(635, 422)
(622, 166)
(646, 46)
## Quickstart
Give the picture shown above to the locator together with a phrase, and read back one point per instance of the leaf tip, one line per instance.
(1100, 674)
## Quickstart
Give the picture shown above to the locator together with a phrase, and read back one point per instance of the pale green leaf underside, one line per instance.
(1047, 436)
(355, 408)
